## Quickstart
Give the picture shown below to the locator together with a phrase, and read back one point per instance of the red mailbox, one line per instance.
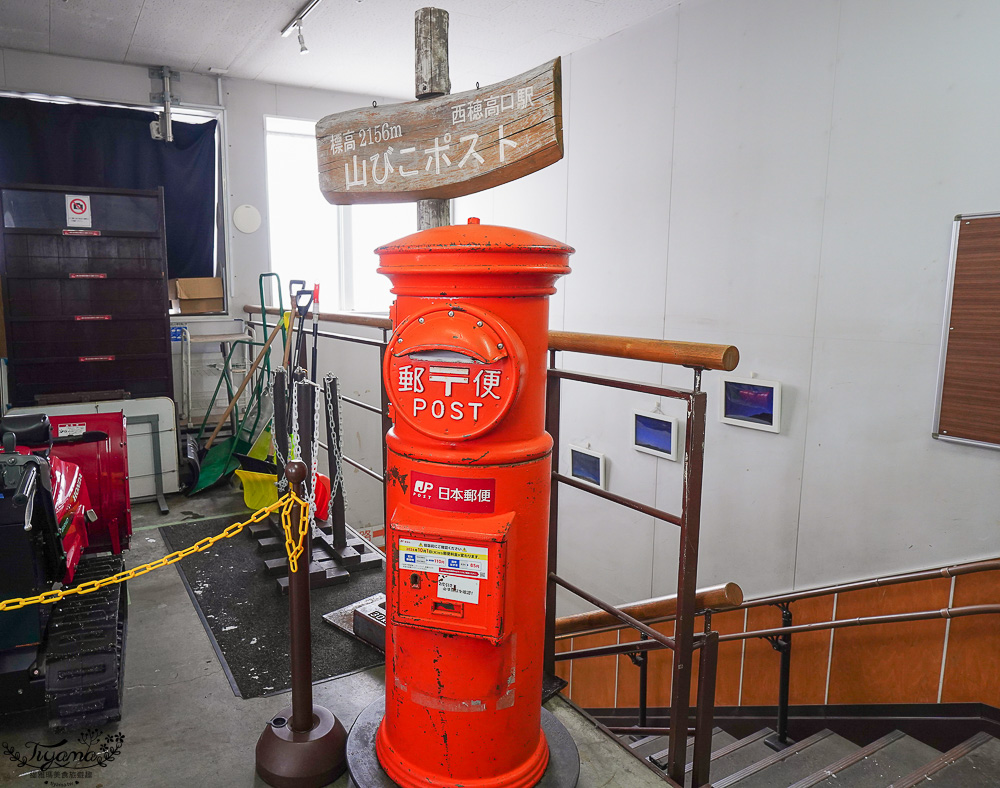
(468, 474)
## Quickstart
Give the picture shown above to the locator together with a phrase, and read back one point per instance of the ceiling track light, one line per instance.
(303, 49)
(299, 18)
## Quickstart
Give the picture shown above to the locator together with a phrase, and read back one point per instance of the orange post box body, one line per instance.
(468, 474)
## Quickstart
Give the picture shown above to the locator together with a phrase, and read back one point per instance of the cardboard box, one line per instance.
(196, 295)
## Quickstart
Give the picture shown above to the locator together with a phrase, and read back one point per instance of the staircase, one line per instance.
(828, 760)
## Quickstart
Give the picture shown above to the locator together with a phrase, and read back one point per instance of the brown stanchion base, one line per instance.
(563, 770)
(310, 759)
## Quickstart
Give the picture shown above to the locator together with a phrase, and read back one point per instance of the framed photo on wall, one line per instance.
(750, 402)
(588, 466)
(656, 434)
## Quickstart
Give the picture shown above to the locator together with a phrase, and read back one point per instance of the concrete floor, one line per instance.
(182, 724)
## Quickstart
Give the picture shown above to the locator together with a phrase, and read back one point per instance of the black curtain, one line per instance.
(84, 146)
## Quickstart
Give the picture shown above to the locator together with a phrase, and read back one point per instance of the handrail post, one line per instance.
(300, 626)
(386, 426)
(783, 645)
(785, 678)
(687, 584)
(642, 660)
(552, 428)
(300, 649)
(304, 744)
(705, 718)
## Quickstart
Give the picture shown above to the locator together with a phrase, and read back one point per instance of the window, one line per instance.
(319, 242)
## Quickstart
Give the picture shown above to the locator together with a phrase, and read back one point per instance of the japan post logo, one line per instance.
(423, 489)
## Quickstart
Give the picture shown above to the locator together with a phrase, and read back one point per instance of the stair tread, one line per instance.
(732, 762)
(645, 747)
(658, 757)
(825, 748)
(896, 759)
(720, 739)
(977, 769)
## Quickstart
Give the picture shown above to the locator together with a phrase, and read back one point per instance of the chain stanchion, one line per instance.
(303, 745)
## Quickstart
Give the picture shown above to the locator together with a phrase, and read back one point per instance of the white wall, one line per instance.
(781, 176)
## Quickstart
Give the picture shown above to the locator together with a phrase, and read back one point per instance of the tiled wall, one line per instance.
(914, 662)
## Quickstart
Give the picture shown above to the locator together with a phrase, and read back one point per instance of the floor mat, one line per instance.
(247, 619)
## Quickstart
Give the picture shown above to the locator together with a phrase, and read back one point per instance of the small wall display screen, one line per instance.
(586, 466)
(653, 433)
(749, 402)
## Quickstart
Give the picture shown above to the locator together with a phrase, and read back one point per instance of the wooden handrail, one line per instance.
(722, 597)
(953, 570)
(664, 351)
(348, 318)
(892, 618)
(910, 577)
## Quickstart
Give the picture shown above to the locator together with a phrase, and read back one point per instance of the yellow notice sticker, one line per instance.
(442, 557)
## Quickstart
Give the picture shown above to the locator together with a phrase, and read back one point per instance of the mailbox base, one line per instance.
(365, 770)
(307, 759)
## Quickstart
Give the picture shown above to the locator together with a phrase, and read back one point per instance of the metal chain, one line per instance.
(340, 445)
(314, 456)
(314, 443)
(280, 459)
(336, 474)
(284, 503)
(281, 483)
(295, 448)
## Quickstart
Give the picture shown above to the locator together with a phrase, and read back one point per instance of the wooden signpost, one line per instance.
(443, 147)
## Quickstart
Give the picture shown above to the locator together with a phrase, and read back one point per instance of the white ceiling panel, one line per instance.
(24, 24)
(363, 46)
(599, 20)
(180, 61)
(548, 45)
(97, 29)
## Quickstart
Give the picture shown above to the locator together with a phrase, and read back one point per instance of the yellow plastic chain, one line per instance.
(285, 504)
(292, 547)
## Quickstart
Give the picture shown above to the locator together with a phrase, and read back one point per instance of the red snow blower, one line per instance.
(65, 519)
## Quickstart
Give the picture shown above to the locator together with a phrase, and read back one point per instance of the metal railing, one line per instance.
(780, 638)
(382, 409)
(688, 521)
(684, 643)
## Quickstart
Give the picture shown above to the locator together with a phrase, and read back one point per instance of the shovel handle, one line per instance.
(243, 385)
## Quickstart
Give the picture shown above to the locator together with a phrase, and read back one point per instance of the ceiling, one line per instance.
(364, 46)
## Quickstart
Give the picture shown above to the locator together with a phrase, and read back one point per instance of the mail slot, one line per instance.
(468, 470)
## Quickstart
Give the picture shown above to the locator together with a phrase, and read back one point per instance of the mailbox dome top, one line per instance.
(474, 237)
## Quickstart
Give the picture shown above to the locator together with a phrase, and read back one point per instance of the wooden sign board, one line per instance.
(443, 147)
